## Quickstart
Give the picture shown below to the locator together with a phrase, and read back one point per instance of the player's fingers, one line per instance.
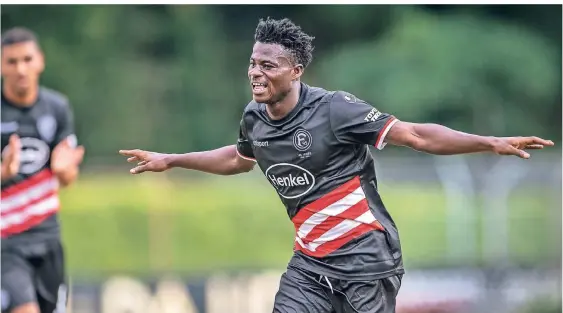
(79, 153)
(133, 159)
(539, 141)
(140, 169)
(14, 139)
(532, 147)
(520, 153)
(133, 153)
(142, 163)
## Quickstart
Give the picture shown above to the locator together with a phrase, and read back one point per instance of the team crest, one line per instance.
(302, 140)
(47, 127)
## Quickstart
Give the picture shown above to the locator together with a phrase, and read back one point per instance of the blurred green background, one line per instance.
(173, 79)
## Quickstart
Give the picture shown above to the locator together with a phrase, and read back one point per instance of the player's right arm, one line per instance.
(228, 160)
(222, 161)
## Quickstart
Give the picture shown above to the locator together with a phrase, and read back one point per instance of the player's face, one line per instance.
(22, 64)
(271, 73)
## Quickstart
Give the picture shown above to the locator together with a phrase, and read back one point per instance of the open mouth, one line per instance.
(258, 88)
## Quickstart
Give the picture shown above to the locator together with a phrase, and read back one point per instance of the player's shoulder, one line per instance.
(54, 98)
(251, 106)
(344, 97)
(314, 95)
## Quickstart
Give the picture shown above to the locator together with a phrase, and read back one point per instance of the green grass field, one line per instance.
(146, 224)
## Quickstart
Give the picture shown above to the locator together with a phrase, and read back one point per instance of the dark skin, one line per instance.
(272, 67)
(22, 66)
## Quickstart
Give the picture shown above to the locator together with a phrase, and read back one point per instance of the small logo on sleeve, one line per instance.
(373, 115)
(350, 98)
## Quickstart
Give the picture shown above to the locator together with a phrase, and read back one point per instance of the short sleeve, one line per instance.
(355, 121)
(244, 147)
(65, 126)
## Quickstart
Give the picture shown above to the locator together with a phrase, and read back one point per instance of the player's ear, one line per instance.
(40, 61)
(297, 72)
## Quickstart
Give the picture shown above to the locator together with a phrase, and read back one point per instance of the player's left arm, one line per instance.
(354, 121)
(67, 155)
(441, 140)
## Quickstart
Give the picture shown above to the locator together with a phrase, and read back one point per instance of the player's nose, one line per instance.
(254, 72)
(21, 68)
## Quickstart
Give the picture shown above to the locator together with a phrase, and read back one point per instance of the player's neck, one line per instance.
(281, 109)
(21, 100)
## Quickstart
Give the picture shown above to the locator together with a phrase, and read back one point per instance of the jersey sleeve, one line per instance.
(65, 126)
(244, 147)
(355, 121)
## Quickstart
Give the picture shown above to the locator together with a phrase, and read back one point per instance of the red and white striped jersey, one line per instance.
(318, 160)
(30, 201)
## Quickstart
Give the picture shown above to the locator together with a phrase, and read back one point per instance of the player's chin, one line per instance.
(261, 98)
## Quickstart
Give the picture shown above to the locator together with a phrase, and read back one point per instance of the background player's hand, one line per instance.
(517, 145)
(66, 156)
(147, 161)
(11, 158)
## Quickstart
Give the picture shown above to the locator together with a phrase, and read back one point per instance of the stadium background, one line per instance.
(480, 233)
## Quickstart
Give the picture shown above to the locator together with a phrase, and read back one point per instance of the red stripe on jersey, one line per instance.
(331, 246)
(326, 200)
(28, 203)
(333, 220)
(383, 132)
(352, 213)
(29, 182)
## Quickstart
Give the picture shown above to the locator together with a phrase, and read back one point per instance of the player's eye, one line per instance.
(28, 59)
(12, 61)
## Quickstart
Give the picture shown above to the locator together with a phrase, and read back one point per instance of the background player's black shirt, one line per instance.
(318, 160)
(40, 128)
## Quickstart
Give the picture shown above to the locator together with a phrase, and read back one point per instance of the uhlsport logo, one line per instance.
(291, 181)
(302, 140)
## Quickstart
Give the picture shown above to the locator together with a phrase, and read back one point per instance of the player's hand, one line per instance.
(11, 158)
(517, 145)
(65, 156)
(147, 161)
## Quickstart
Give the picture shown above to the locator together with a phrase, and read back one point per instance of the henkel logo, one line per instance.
(291, 181)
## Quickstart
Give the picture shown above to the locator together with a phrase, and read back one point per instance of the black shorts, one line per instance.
(302, 291)
(34, 277)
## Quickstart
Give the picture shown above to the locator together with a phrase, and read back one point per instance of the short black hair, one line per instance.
(18, 35)
(285, 33)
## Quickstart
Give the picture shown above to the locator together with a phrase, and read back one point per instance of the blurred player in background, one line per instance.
(312, 145)
(39, 155)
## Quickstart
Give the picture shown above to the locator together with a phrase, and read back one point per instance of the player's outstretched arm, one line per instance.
(222, 161)
(441, 140)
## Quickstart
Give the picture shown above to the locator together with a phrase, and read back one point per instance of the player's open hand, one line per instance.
(147, 161)
(66, 155)
(11, 158)
(517, 145)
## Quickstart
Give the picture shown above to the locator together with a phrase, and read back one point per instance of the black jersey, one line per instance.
(30, 200)
(318, 159)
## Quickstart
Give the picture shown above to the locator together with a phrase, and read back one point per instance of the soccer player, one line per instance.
(313, 147)
(39, 155)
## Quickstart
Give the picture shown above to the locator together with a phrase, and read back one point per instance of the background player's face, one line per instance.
(22, 64)
(271, 73)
